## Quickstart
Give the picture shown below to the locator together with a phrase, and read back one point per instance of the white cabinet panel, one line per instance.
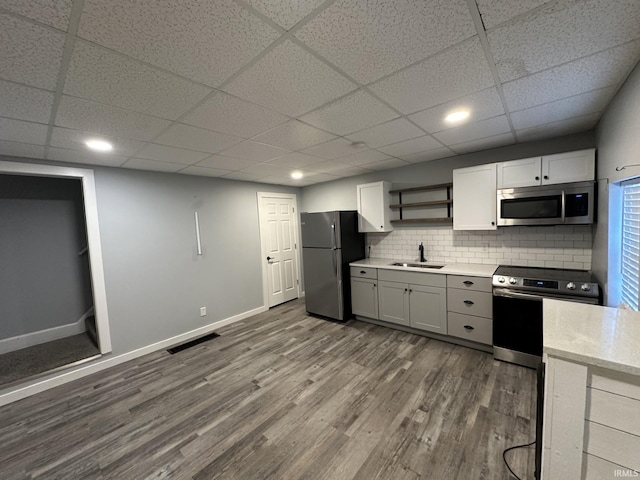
(392, 302)
(519, 173)
(569, 167)
(428, 308)
(374, 214)
(364, 297)
(474, 198)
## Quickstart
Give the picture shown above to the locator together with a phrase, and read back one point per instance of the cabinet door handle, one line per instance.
(406, 290)
(410, 290)
(468, 327)
(537, 178)
(363, 272)
(374, 285)
(468, 302)
(546, 177)
(493, 223)
(468, 282)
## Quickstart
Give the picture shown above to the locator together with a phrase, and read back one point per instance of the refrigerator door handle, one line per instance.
(338, 270)
(333, 237)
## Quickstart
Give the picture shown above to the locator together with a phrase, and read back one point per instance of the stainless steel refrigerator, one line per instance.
(330, 241)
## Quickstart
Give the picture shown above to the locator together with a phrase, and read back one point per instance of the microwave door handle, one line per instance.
(563, 207)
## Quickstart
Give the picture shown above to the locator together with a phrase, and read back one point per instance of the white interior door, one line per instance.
(279, 238)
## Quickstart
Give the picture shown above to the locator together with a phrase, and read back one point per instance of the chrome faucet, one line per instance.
(421, 250)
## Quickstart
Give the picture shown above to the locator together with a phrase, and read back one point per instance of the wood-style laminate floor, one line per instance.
(282, 396)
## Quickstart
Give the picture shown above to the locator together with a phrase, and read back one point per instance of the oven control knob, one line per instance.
(585, 287)
(571, 286)
(513, 281)
(501, 280)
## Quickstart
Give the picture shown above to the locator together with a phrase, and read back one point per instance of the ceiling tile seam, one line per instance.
(572, 96)
(297, 120)
(574, 60)
(469, 124)
(4, 11)
(44, 124)
(20, 84)
(21, 143)
(521, 16)
(558, 121)
(67, 51)
(484, 42)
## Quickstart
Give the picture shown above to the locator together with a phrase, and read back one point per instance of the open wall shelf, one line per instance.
(448, 202)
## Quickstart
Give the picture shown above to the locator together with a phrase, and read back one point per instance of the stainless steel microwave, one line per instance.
(562, 204)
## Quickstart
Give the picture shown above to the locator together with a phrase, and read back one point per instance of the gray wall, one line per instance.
(43, 281)
(341, 194)
(155, 282)
(618, 143)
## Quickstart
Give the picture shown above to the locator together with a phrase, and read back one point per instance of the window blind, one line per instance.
(630, 260)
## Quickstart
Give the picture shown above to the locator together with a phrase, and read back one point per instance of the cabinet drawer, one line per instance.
(416, 278)
(478, 329)
(470, 302)
(364, 272)
(481, 284)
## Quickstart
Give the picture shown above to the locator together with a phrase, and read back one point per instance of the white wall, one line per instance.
(618, 144)
(558, 247)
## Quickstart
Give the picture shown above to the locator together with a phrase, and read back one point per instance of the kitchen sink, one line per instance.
(418, 265)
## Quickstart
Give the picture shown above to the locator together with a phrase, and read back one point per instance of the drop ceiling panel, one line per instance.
(55, 13)
(163, 153)
(285, 13)
(387, 164)
(429, 155)
(328, 167)
(561, 32)
(315, 177)
(408, 147)
(481, 105)
(204, 172)
(16, 149)
(233, 116)
(332, 149)
(226, 163)
(589, 102)
(30, 54)
(474, 131)
(494, 12)
(144, 164)
(80, 114)
(369, 39)
(85, 157)
(452, 74)
(350, 171)
(264, 169)
(205, 41)
(25, 103)
(296, 160)
(354, 112)
(589, 73)
(255, 151)
(557, 129)
(193, 138)
(107, 77)
(75, 140)
(363, 159)
(484, 143)
(290, 80)
(293, 135)
(243, 176)
(391, 132)
(23, 132)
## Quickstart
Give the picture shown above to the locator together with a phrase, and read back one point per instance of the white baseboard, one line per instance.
(107, 361)
(43, 336)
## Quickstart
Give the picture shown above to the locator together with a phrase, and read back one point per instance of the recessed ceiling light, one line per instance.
(457, 116)
(297, 175)
(99, 145)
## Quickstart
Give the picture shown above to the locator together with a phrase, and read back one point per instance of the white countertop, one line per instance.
(601, 336)
(470, 269)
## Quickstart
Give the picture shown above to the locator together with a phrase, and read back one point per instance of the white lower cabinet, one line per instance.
(428, 308)
(392, 302)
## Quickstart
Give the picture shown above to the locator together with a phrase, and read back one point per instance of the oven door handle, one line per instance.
(503, 292)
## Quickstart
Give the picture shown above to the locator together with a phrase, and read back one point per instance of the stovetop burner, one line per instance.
(555, 281)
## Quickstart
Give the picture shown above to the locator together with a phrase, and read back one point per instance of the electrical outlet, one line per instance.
(484, 246)
(203, 311)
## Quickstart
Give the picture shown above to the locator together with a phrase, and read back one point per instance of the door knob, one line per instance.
(271, 258)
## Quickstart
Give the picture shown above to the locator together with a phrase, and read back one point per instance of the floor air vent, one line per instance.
(192, 343)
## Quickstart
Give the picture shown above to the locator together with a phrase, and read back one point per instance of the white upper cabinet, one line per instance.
(568, 167)
(374, 214)
(578, 166)
(474, 198)
(519, 173)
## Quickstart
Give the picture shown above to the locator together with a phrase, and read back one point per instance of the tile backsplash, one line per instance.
(552, 246)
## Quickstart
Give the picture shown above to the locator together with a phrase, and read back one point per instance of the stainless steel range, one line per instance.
(517, 307)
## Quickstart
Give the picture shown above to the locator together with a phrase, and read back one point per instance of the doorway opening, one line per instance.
(52, 296)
